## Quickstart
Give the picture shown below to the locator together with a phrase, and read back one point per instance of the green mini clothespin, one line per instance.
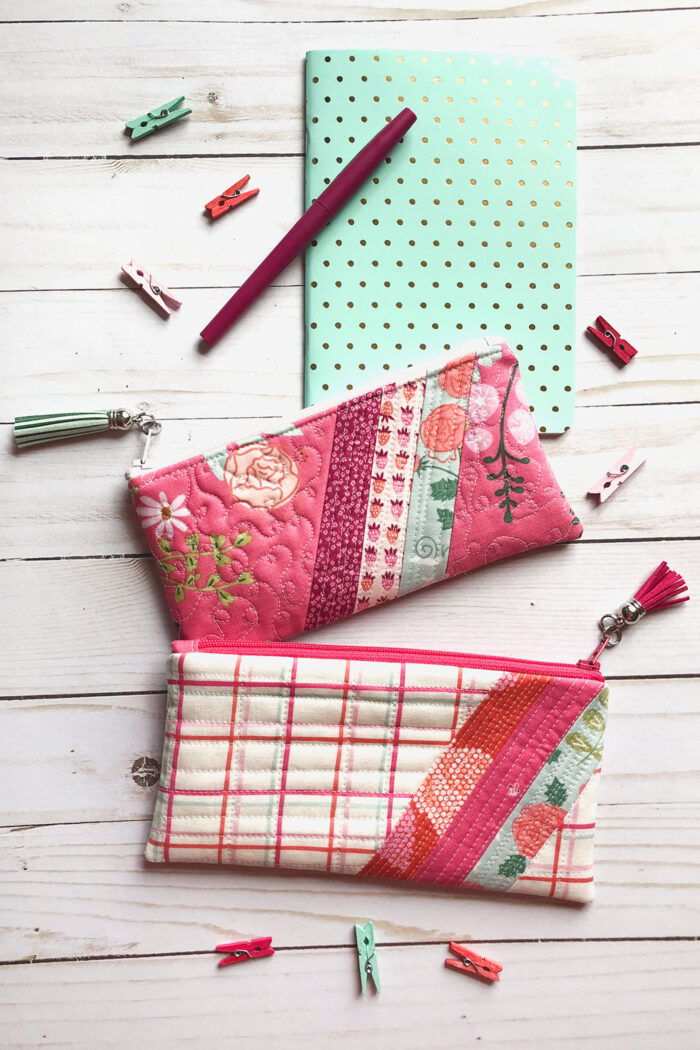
(366, 955)
(157, 119)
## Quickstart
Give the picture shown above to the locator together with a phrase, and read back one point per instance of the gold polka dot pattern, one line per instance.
(466, 229)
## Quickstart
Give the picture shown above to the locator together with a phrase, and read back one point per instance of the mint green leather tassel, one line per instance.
(38, 430)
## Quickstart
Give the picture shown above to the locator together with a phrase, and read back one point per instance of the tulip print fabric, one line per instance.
(436, 472)
(461, 770)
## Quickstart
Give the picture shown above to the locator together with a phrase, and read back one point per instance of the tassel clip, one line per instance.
(663, 588)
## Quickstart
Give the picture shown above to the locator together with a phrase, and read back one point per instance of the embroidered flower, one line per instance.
(261, 475)
(521, 425)
(443, 432)
(483, 402)
(534, 826)
(456, 380)
(163, 514)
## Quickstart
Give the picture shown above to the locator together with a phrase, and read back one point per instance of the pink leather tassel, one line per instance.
(662, 589)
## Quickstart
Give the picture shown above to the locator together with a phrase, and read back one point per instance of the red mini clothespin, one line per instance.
(154, 289)
(241, 951)
(606, 334)
(618, 474)
(475, 965)
(230, 198)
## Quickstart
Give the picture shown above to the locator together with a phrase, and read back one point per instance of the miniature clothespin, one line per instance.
(241, 951)
(618, 474)
(230, 198)
(157, 118)
(366, 955)
(606, 334)
(470, 963)
(154, 289)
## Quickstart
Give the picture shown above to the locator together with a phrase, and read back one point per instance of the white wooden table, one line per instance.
(97, 950)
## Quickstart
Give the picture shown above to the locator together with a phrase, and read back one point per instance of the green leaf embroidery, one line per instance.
(603, 697)
(179, 592)
(242, 539)
(554, 757)
(221, 559)
(578, 742)
(511, 482)
(245, 577)
(192, 541)
(445, 517)
(213, 580)
(190, 562)
(225, 598)
(512, 867)
(182, 570)
(165, 545)
(444, 489)
(594, 721)
(556, 792)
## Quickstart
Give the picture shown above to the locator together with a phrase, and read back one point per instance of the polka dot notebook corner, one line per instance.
(467, 229)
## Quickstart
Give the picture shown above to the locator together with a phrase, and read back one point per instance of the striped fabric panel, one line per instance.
(387, 511)
(507, 779)
(431, 513)
(339, 550)
(455, 776)
(543, 807)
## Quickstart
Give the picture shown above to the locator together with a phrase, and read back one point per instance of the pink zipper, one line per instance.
(583, 669)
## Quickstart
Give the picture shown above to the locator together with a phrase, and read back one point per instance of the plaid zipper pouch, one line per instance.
(436, 472)
(448, 768)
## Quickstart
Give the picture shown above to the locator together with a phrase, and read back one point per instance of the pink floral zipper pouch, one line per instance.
(476, 772)
(434, 473)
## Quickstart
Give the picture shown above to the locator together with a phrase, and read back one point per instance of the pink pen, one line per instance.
(328, 204)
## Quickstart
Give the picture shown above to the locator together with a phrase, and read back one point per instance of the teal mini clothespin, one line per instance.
(366, 955)
(157, 118)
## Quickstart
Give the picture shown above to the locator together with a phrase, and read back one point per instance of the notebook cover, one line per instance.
(467, 229)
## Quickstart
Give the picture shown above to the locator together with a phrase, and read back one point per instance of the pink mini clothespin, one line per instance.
(241, 951)
(606, 334)
(154, 289)
(618, 474)
(470, 963)
(230, 198)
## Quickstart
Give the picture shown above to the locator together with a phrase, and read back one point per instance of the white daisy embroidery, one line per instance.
(163, 514)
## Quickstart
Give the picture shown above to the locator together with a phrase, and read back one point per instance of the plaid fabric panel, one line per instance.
(305, 762)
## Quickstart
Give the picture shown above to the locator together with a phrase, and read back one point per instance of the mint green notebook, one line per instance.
(467, 229)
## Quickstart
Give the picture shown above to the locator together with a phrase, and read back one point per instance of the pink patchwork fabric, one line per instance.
(459, 770)
(430, 475)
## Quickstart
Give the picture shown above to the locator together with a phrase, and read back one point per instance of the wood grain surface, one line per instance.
(99, 949)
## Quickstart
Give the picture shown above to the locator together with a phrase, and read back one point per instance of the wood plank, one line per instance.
(245, 81)
(87, 748)
(639, 995)
(84, 890)
(257, 371)
(313, 10)
(109, 210)
(100, 625)
(69, 499)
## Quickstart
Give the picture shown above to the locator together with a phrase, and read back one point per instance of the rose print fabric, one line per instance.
(435, 473)
(372, 763)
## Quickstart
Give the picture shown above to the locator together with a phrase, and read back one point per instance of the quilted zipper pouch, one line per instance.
(448, 768)
(433, 474)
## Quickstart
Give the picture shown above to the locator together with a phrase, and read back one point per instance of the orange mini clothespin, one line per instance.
(470, 963)
(154, 289)
(241, 951)
(230, 198)
(618, 474)
(606, 334)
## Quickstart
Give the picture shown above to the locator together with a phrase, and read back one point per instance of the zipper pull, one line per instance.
(57, 426)
(663, 588)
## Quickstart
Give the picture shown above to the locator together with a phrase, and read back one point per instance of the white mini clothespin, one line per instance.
(618, 474)
(154, 289)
